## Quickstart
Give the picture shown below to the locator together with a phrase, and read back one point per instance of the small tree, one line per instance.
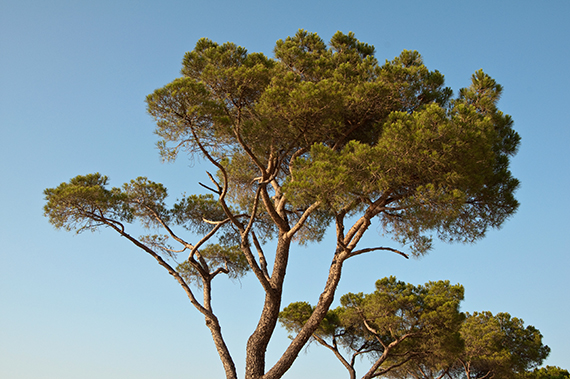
(318, 136)
(418, 332)
(494, 346)
(391, 326)
(499, 346)
(548, 372)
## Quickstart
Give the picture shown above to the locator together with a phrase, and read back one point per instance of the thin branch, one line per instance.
(172, 250)
(165, 226)
(349, 365)
(249, 152)
(395, 365)
(215, 182)
(225, 187)
(302, 219)
(262, 260)
(253, 213)
(373, 372)
(164, 264)
(205, 238)
(209, 188)
(363, 251)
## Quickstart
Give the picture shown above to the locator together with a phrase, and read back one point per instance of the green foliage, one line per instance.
(218, 256)
(418, 331)
(330, 124)
(548, 372)
(398, 320)
(307, 139)
(191, 211)
(494, 346)
(84, 203)
(501, 345)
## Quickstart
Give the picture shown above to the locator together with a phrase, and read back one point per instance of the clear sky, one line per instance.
(73, 79)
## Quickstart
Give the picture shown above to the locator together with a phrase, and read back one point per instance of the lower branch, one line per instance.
(334, 349)
(373, 372)
(211, 320)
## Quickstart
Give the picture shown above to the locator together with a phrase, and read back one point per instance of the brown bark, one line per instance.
(211, 320)
(325, 300)
(258, 341)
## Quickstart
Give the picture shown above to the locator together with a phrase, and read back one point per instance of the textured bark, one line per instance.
(227, 361)
(325, 301)
(258, 341)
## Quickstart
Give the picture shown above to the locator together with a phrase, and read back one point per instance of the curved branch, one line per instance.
(250, 153)
(275, 216)
(211, 320)
(206, 238)
(253, 213)
(373, 372)
(348, 365)
(363, 251)
(224, 190)
(165, 226)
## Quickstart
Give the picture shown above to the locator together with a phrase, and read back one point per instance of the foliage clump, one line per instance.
(409, 331)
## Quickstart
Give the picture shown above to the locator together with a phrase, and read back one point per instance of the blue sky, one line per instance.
(73, 79)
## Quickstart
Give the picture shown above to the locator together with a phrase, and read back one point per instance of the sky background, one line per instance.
(73, 79)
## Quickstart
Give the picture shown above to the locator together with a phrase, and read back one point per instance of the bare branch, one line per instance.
(363, 251)
(275, 216)
(218, 271)
(303, 218)
(166, 227)
(209, 188)
(224, 191)
(261, 254)
(348, 365)
(373, 372)
(215, 182)
(205, 238)
(253, 213)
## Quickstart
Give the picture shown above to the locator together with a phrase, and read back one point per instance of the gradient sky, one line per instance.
(73, 79)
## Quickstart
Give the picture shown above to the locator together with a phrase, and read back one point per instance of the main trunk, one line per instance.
(325, 300)
(258, 341)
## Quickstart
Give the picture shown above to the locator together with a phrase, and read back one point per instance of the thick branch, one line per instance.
(262, 260)
(275, 216)
(325, 301)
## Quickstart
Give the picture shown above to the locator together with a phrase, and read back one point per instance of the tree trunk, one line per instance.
(325, 301)
(258, 341)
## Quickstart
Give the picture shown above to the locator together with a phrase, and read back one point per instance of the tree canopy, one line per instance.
(418, 332)
(548, 372)
(319, 136)
(391, 326)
